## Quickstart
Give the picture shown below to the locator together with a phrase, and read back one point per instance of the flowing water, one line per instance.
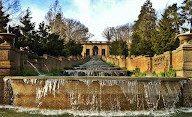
(11, 111)
(95, 89)
(34, 67)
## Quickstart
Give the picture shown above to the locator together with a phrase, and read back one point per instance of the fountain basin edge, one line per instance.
(97, 78)
(97, 93)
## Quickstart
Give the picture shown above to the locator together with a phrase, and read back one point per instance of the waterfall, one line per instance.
(105, 95)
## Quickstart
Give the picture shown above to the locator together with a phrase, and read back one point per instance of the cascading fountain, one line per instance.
(95, 67)
(97, 94)
(92, 88)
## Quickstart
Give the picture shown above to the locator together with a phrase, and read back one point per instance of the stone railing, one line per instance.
(179, 60)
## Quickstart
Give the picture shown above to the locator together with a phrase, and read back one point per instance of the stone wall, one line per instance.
(179, 60)
(162, 62)
(11, 60)
(141, 62)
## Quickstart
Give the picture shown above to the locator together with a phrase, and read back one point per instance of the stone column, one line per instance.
(9, 60)
(9, 63)
(182, 60)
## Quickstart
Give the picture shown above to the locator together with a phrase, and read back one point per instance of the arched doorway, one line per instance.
(95, 50)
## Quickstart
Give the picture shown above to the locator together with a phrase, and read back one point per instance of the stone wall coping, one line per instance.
(97, 78)
(139, 57)
(52, 57)
(33, 56)
(164, 54)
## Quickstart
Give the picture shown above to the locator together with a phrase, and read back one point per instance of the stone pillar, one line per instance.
(9, 60)
(9, 63)
(182, 60)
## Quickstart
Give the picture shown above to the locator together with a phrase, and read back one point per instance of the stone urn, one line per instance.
(185, 38)
(7, 37)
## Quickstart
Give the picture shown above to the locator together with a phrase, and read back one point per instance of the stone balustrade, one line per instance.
(179, 60)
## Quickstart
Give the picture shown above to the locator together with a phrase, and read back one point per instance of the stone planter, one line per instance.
(185, 38)
(8, 37)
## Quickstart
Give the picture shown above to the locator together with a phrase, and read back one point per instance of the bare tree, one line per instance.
(7, 9)
(108, 33)
(54, 16)
(124, 32)
(66, 28)
(75, 30)
(119, 32)
(10, 6)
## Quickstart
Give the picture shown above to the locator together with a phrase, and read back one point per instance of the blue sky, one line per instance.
(95, 14)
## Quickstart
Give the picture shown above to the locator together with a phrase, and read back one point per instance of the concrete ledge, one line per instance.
(97, 78)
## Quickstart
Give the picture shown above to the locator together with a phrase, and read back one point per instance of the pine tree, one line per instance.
(4, 19)
(186, 14)
(55, 46)
(7, 8)
(167, 29)
(119, 47)
(142, 30)
(136, 39)
(43, 35)
(27, 29)
(73, 48)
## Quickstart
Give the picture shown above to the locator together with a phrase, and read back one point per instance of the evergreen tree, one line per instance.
(4, 19)
(186, 14)
(44, 42)
(136, 39)
(55, 45)
(119, 47)
(73, 48)
(142, 30)
(27, 29)
(167, 29)
(7, 8)
(43, 37)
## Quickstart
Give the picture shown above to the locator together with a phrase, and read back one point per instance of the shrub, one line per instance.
(56, 72)
(141, 74)
(110, 63)
(137, 69)
(162, 74)
(68, 68)
(26, 72)
(53, 72)
(170, 73)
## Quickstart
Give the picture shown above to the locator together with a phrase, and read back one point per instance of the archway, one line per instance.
(95, 50)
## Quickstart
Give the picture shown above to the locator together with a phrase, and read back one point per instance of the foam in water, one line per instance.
(106, 113)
